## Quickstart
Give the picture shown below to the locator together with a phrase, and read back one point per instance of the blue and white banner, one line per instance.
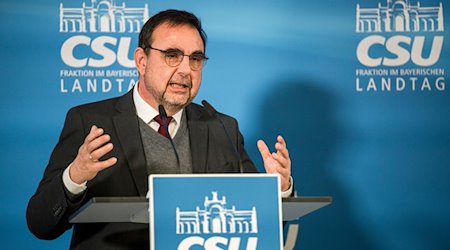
(215, 212)
(358, 89)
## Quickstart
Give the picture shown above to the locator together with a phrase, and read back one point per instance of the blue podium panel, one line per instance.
(224, 211)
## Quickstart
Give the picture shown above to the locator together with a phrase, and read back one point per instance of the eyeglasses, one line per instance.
(174, 57)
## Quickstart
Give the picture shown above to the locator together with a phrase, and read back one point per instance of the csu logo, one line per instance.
(399, 16)
(214, 221)
(105, 17)
(99, 54)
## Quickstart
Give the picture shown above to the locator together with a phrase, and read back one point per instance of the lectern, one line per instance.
(206, 210)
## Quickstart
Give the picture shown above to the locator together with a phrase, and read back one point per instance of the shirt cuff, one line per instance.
(72, 187)
(287, 193)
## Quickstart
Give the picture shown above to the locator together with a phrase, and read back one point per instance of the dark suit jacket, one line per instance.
(49, 208)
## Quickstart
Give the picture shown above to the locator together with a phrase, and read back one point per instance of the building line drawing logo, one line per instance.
(102, 16)
(216, 218)
(400, 16)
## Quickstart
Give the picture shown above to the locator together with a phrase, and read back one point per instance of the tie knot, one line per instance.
(163, 126)
(159, 120)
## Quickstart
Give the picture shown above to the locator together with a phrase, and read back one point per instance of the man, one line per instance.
(109, 148)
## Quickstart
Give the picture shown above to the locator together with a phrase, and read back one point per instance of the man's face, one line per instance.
(173, 87)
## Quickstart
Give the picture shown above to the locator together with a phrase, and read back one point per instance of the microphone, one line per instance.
(163, 114)
(213, 112)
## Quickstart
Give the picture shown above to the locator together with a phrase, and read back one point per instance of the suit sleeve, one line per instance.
(49, 208)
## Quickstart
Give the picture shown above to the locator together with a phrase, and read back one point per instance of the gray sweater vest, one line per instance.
(159, 153)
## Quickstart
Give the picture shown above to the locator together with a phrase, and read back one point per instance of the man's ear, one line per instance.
(140, 59)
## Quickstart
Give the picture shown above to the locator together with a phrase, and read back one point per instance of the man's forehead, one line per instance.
(167, 29)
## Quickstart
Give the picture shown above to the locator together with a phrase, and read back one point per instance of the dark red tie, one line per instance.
(162, 127)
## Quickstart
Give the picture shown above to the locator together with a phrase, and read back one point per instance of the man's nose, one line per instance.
(184, 66)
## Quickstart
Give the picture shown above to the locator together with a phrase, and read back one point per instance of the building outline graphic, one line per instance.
(216, 218)
(102, 16)
(400, 16)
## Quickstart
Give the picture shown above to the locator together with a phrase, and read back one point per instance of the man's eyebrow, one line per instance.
(195, 52)
(171, 48)
(198, 52)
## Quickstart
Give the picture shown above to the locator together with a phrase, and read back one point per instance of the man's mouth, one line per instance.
(179, 86)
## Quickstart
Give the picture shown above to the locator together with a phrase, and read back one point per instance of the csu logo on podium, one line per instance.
(214, 212)
(216, 218)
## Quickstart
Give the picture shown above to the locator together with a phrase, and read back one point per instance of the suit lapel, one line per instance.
(198, 136)
(127, 129)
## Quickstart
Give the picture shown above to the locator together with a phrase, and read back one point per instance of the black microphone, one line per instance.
(213, 112)
(163, 114)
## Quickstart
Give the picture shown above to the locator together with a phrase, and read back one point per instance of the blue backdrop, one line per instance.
(321, 73)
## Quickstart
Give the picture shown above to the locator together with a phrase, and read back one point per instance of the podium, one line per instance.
(135, 209)
(209, 211)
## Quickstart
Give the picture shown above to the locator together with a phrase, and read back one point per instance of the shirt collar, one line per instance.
(147, 112)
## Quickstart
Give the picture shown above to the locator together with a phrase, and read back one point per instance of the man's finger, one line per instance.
(281, 146)
(284, 162)
(99, 166)
(98, 143)
(100, 152)
(263, 149)
(282, 150)
(281, 140)
(93, 133)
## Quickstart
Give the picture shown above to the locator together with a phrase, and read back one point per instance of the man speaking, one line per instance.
(109, 148)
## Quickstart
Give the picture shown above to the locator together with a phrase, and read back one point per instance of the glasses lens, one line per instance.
(173, 57)
(196, 61)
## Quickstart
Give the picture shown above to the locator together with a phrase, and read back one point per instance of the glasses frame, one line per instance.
(167, 59)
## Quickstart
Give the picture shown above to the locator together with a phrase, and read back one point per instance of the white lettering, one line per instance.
(401, 54)
(440, 83)
(190, 241)
(362, 52)
(217, 243)
(67, 51)
(417, 50)
(62, 88)
(104, 51)
(252, 243)
(393, 46)
(425, 84)
(413, 82)
(106, 85)
(99, 47)
(76, 86)
(122, 53)
(119, 84)
(397, 83)
(386, 84)
(371, 85)
(212, 243)
(358, 88)
(91, 85)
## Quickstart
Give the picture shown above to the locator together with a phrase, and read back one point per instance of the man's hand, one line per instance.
(86, 164)
(278, 162)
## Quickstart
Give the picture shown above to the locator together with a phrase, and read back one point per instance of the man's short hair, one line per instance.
(172, 17)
